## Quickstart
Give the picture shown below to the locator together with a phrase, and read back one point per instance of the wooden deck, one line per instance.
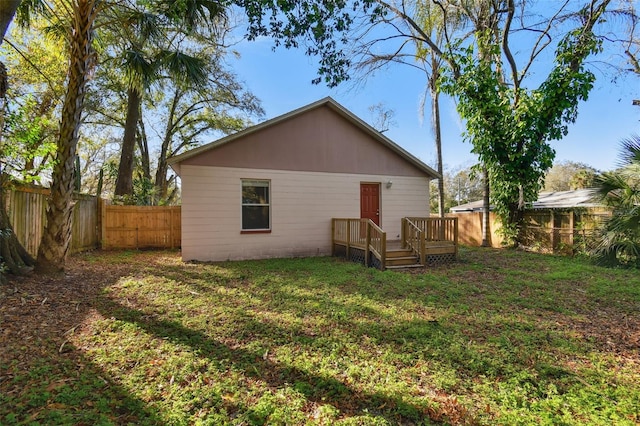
(424, 241)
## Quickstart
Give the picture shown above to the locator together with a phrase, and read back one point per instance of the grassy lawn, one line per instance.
(501, 337)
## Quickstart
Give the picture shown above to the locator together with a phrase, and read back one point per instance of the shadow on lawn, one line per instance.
(44, 378)
(315, 388)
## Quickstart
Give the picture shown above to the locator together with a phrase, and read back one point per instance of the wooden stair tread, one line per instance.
(413, 265)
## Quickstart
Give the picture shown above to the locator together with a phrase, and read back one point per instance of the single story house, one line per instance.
(272, 190)
(577, 198)
(551, 222)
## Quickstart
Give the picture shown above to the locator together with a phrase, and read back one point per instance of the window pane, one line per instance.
(255, 192)
(255, 195)
(255, 217)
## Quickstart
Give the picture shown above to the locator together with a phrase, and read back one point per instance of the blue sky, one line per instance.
(282, 80)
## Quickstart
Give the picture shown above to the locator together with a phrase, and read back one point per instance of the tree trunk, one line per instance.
(56, 237)
(161, 183)
(486, 209)
(143, 147)
(13, 257)
(435, 117)
(124, 182)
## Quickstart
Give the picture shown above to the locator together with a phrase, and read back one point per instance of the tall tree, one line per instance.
(152, 36)
(192, 113)
(510, 126)
(175, 114)
(372, 53)
(56, 237)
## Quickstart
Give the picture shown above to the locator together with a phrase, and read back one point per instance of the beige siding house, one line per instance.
(272, 189)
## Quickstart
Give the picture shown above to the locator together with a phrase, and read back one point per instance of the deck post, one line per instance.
(366, 244)
(403, 240)
(333, 237)
(423, 247)
(455, 236)
(383, 249)
(348, 249)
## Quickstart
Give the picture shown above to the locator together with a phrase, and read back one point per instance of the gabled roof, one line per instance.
(546, 200)
(174, 162)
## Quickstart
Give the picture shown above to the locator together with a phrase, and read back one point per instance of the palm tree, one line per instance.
(620, 237)
(144, 63)
(56, 237)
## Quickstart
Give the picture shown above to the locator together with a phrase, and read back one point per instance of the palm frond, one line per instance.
(620, 189)
(29, 9)
(187, 69)
(630, 152)
(139, 70)
(192, 13)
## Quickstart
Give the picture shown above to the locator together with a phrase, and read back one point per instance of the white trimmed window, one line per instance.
(256, 207)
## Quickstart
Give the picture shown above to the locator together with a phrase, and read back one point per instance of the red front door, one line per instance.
(370, 202)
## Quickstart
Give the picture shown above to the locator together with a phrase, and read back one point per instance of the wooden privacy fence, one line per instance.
(545, 230)
(562, 231)
(95, 223)
(136, 227)
(26, 208)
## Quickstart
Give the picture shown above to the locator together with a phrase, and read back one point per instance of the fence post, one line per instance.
(553, 231)
(571, 227)
(103, 226)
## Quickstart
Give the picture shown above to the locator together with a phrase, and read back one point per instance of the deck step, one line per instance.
(413, 265)
(399, 253)
(401, 261)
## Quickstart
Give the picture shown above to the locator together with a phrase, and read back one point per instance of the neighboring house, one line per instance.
(271, 190)
(551, 222)
(578, 198)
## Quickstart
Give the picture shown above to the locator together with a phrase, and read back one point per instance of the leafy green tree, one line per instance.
(620, 190)
(220, 105)
(569, 175)
(510, 126)
(34, 99)
(13, 257)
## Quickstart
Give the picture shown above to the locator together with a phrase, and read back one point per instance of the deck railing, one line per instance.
(433, 230)
(413, 239)
(359, 234)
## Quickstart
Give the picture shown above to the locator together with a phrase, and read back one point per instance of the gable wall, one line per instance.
(319, 140)
(303, 204)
